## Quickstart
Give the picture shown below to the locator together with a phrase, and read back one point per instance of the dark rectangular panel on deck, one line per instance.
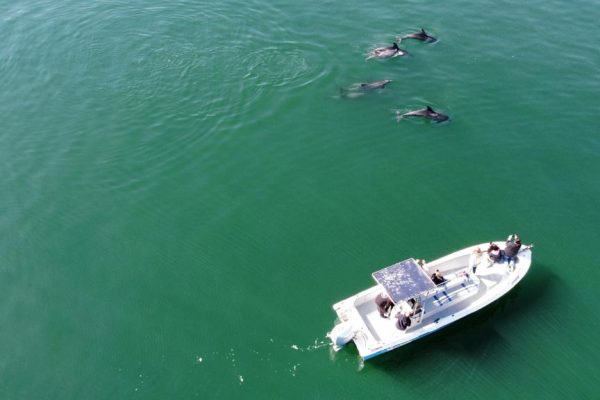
(403, 280)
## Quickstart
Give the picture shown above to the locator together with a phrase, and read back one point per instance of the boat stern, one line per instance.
(352, 325)
(344, 330)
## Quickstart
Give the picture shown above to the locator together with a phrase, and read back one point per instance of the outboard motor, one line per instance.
(341, 334)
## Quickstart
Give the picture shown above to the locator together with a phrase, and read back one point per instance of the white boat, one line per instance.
(473, 281)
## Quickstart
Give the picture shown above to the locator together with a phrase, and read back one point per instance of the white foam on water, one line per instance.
(294, 369)
(318, 343)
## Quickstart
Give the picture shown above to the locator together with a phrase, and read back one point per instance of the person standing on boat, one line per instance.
(513, 245)
(475, 259)
(384, 305)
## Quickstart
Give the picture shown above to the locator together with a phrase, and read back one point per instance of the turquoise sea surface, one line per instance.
(185, 193)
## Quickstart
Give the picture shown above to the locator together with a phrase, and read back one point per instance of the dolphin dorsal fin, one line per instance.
(423, 30)
(395, 46)
(430, 109)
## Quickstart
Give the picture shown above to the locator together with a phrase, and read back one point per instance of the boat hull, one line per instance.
(464, 293)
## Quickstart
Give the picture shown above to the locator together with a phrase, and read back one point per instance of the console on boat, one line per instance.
(471, 282)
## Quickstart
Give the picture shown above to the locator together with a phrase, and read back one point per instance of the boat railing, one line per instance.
(454, 281)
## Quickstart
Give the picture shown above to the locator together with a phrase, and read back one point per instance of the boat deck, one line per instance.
(450, 295)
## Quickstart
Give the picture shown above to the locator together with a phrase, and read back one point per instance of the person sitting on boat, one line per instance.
(437, 277)
(415, 307)
(494, 252)
(384, 305)
(403, 321)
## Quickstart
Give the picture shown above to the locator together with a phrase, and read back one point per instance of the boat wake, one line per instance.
(278, 360)
(318, 343)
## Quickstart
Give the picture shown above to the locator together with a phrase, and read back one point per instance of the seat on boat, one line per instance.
(454, 287)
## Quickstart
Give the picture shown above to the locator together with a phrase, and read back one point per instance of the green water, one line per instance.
(185, 194)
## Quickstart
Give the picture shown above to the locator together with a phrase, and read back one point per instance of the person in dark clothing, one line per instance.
(403, 321)
(513, 245)
(494, 252)
(384, 305)
(437, 277)
(512, 248)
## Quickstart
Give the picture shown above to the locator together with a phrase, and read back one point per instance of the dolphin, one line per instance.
(427, 112)
(422, 36)
(387, 52)
(374, 85)
(360, 89)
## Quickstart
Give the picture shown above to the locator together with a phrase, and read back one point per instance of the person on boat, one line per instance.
(494, 252)
(475, 259)
(403, 321)
(437, 277)
(513, 245)
(384, 305)
(415, 307)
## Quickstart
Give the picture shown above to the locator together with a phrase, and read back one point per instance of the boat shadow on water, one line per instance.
(476, 334)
